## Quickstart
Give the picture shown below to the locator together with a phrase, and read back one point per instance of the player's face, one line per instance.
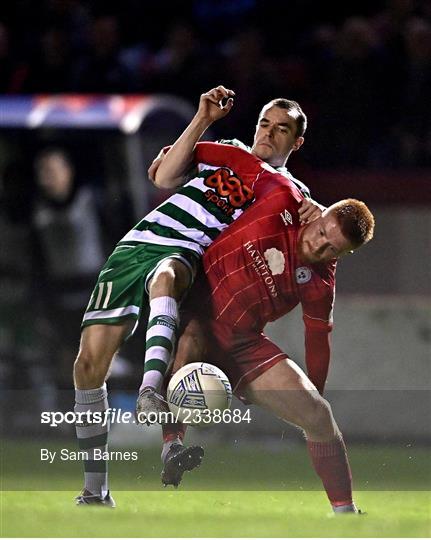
(322, 240)
(275, 137)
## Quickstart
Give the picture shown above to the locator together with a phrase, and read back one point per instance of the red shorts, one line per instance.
(240, 353)
(243, 357)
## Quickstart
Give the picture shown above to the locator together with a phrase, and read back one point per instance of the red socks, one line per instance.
(173, 431)
(329, 461)
(331, 464)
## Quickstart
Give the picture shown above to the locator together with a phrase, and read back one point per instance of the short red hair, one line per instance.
(355, 219)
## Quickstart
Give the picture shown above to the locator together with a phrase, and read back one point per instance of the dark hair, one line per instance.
(356, 221)
(290, 105)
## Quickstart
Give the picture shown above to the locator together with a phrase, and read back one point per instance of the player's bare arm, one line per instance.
(169, 170)
(152, 169)
(178, 181)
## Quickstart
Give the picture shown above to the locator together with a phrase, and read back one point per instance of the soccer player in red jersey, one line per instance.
(259, 269)
(264, 258)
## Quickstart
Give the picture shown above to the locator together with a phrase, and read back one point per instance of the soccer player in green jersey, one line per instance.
(157, 259)
(280, 130)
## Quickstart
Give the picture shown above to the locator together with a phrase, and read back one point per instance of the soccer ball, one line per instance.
(198, 393)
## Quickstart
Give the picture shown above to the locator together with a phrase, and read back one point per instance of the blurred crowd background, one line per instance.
(361, 70)
(362, 63)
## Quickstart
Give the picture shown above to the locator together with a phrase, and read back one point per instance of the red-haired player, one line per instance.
(264, 265)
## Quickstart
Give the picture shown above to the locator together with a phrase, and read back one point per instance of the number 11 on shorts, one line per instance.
(103, 295)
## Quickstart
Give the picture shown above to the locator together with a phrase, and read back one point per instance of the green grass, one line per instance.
(238, 492)
(239, 468)
(214, 514)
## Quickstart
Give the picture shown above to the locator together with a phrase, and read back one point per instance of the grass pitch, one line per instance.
(214, 514)
(273, 494)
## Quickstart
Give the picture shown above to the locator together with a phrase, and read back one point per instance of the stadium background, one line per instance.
(362, 73)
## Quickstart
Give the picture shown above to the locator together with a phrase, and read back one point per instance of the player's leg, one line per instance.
(167, 286)
(285, 390)
(111, 316)
(176, 457)
(98, 345)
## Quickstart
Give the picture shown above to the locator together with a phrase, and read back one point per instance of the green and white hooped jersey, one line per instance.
(201, 209)
(193, 217)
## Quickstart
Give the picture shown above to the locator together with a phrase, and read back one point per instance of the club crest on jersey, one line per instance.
(302, 274)
(276, 261)
(286, 216)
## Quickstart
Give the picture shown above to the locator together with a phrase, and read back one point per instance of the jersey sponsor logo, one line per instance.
(221, 203)
(276, 261)
(286, 216)
(227, 191)
(302, 275)
(261, 268)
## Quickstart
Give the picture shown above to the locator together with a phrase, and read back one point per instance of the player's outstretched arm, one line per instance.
(169, 170)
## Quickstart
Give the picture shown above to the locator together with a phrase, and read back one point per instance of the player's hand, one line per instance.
(215, 104)
(309, 211)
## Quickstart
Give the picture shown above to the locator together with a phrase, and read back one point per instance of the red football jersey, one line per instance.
(254, 271)
(255, 275)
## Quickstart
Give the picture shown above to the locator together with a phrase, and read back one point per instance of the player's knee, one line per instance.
(88, 371)
(319, 414)
(171, 279)
(163, 281)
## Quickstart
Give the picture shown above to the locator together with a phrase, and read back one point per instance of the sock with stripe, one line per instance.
(161, 329)
(332, 465)
(92, 436)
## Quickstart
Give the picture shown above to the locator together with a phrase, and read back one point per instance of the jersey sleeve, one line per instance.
(317, 356)
(247, 166)
(317, 309)
(237, 156)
